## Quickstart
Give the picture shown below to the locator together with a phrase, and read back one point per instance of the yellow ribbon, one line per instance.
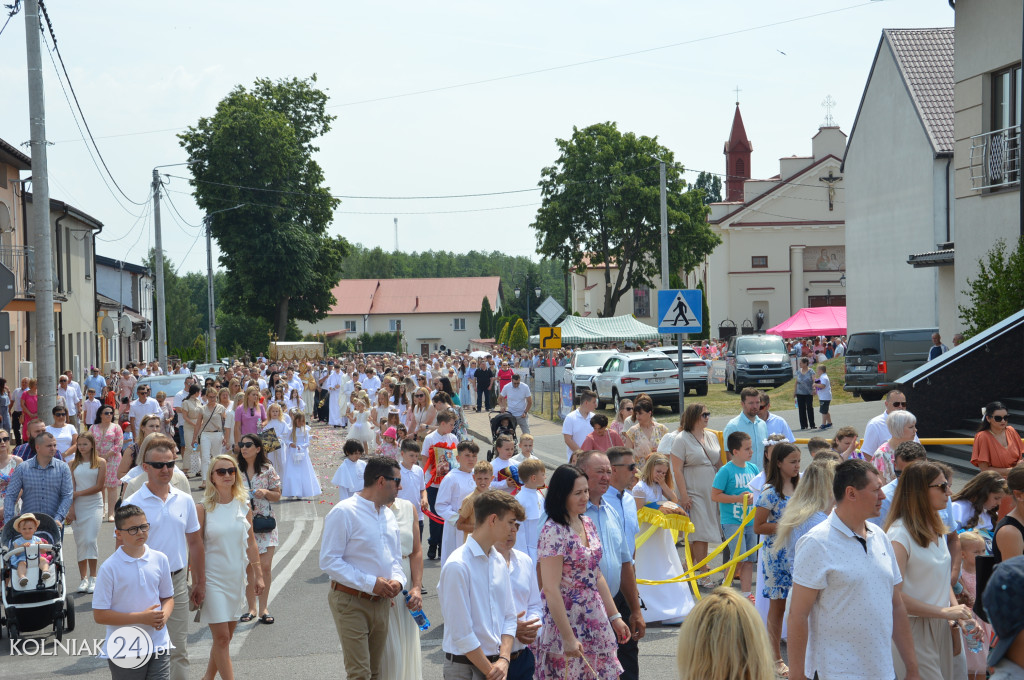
(659, 520)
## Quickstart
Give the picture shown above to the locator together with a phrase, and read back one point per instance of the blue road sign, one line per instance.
(679, 311)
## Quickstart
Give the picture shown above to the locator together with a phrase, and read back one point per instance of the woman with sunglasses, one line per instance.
(109, 438)
(225, 520)
(64, 432)
(918, 538)
(623, 417)
(8, 461)
(696, 457)
(997, 445)
(264, 487)
(646, 434)
(423, 415)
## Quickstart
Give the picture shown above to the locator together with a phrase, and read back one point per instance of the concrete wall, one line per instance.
(894, 208)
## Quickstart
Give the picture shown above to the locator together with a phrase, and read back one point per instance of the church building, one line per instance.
(783, 238)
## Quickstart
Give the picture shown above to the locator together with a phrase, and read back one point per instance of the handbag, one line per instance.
(270, 440)
(261, 524)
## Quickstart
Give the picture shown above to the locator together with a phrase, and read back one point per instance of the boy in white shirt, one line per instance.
(146, 605)
(349, 475)
(531, 473)
(455, 486)
(823, 386)
(525, 449)
(89, 407)
(437, 459)
(504, 447)
(413, 489)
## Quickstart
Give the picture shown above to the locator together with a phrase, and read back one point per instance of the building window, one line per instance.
(394, 325)
(1006, 86)
(740, 168)
(641, 301)
(459, 323)
(759, 262)
(350, 326)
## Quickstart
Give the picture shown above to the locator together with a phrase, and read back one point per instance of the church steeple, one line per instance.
(737, 159)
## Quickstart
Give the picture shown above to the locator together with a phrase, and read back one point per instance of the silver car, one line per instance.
(583, 368)
(627, 376)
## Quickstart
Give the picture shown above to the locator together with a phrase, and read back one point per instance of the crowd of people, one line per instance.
(541, 575)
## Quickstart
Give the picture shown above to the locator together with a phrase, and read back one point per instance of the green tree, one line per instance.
(705, 311)
(238, 333)
(280, 261)
(711, 185)
(601, 204)
(183, 319)
(486, 319)
(503, 335)
(519, 338)
(998, 289)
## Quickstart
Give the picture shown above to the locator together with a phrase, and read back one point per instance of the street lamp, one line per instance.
(536, 291)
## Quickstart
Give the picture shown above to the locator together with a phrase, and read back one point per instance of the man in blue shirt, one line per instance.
(748, 421)
(616, 559)
(44, 482)
(95, 381)
(617, 495)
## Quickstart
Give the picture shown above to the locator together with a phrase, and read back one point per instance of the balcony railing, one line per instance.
(995, 159)
(19, 260)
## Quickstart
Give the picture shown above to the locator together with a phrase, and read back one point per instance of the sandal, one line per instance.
(267, 619)
(781, 669)
(246, 617)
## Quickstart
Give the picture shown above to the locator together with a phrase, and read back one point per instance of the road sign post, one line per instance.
(680, 311)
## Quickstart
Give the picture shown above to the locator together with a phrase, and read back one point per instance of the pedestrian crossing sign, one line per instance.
(680, 311)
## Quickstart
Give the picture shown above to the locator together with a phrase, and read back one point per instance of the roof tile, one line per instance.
(356, 297)
(925, 58)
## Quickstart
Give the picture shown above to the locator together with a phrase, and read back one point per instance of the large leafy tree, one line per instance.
(998, 289)
(257, 152)
(711, 185)
(601, 204)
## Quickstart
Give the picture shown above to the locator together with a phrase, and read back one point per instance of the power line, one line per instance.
(85, 122)
(187, 253)
(145, 213)
(175, 209)
(15, 8)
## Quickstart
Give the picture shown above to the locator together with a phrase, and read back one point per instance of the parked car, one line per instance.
(695, 369)
(581, 370)
(168, 384)
(626, 376)
(756, 361)
(875, 360)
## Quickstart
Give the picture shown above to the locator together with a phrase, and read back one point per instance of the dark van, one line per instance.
(757, 361)
(875, 360)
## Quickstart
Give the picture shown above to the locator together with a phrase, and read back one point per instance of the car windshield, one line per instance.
(765, 345)
(652, 364)
(595, 359)
(171, 385)
(862, 344)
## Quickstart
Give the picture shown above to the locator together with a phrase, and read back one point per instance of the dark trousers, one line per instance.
(485, 397)
(436, 528)
(16, 426)
(628, 653)
(805, 407)
(523, 666)
(322, 412)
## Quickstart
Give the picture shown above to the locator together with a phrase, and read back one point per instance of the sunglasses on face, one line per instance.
(899, 404)
(59, 415)
(1000, 419)
(133, 531)
(5, 439)
(396, 480)
(706, 414)
(224, 472)
(160, 466)
(944, 486)
(245, 445)
(631, 466)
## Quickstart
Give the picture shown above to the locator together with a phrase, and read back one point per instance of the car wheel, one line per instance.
(615, 401)
(728, 387)
(702, 390)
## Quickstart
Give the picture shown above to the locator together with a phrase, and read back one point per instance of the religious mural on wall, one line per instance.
(825, 258)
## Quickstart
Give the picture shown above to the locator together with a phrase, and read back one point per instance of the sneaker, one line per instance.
(83, 586)
(23, 582)
(47, 576)
(92, 585)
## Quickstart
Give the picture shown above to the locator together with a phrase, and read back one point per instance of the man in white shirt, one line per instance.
(72, 400)
(142, 407)
(371, 384)
(476, 595)
(576, 425)
(847, 610)
(334, 385)
(528, 606)
(174, 531)
(360, 553)
(515, 398)
(877, 432)
(774, 423)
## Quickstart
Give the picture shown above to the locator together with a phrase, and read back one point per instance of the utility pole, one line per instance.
(209, 292)
(664, 228)
(396, 234)
(161, 306)
(39, 220)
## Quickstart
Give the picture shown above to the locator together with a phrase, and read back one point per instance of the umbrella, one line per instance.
(479, 354)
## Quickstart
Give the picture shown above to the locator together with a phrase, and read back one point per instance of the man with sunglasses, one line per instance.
(877, 431)
(173, 530)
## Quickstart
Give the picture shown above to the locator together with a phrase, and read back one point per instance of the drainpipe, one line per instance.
(948, 232)
(95, 302)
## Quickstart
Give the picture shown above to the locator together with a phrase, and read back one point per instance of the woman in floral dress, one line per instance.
(578, 638)
(264, 486)
(646, 433)
(109, 439)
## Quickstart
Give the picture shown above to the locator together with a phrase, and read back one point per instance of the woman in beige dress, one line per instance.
(646, 434)
(696, 457)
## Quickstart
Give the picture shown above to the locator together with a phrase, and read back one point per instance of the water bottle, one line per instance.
(418, 616)
(974, 644)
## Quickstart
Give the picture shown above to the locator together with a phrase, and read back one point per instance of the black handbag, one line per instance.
(261, 524)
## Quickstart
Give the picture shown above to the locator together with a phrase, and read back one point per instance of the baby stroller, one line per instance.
(40, 604)
(503, 423)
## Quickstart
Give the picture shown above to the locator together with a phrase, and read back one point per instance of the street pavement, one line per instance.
(303, 642)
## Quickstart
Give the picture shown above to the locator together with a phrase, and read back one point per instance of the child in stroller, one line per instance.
(26, 525)
(503, 424)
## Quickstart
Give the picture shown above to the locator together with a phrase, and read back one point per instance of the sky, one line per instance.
(414, 118)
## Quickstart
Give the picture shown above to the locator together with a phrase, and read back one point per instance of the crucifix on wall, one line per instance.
(831, 181)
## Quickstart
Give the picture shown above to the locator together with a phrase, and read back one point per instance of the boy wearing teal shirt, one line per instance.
(728, 490)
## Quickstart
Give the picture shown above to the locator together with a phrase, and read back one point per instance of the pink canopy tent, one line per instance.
(813, 321)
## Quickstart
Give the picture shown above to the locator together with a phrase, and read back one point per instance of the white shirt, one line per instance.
(179, 398)
(129, 584)
(90, 407)
(928, 569)
(139, 410)
(525, 592)
(168, 522)
(498, 465)
(412, 487)
(825, 393)
(577, 426)
(475, 591)
(70, 398)
(778, 425)
(516, 397)
(63, 435)
(529, 529)
(856, 585)
(371, 385)
(360, 543)
(16, 401)
(877, 433)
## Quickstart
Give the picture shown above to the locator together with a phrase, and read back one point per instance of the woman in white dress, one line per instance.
(402, 656)
(65, 433)
(658, 558)
(88, 475)
(301, 481)
(225, 521)
(224, 397)
(276, 421)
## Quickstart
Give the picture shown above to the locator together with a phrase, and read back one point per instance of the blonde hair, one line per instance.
(297, 414)
(238, 491)
(972, 538)
(280, 411)
(653, 461)
(93, 455)
(813, 494)
(723, 638)
(483, 467)
(527, 437)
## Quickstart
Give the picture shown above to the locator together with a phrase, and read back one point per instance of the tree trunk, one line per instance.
(281, 320)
